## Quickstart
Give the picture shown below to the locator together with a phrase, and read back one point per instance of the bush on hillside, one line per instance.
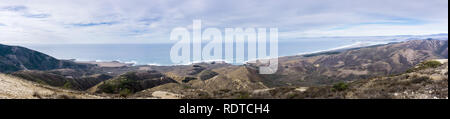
(425, 65)
(340, 86)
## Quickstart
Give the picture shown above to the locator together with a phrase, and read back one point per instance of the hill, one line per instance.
(15, 58)
(17, 88)
(354, 64)
(428, 80)
(302, 72)
(63, 78)
(131, 82)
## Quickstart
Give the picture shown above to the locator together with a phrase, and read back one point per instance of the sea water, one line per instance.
(159, 54)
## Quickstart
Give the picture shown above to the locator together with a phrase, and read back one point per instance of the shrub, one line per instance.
(125, 92)
(323, 53)
(37, 95)
(187, 79)
(203, 95)
(64, 97)
(207, 74)
(292, 96)
(425, 65)
(107, 88)
(243, 95)
(187, 87)
(421, 79)
(68, 85)
(410, 70)
(225, 90)
(340, 86)
(431, 64)
(116, 86)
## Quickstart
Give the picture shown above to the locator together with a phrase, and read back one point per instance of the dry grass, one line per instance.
(16, 88)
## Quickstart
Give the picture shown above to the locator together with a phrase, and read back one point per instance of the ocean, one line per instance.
(159, 54)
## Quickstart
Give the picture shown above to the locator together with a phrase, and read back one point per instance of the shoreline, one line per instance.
(115, 63)
(109, 64)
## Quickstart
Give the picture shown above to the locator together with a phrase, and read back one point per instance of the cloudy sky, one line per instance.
(150, 21)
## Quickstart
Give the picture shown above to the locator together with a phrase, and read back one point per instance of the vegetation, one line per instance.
(340, 86)
(323, 53)
(68, 85)
(243, 95)
(354, 74)
(207, 74)
(133, 82)
(421, 79)
(431, 64)
(187, 87)
(125, 92)
(119, 86)
(425, 65)
(187, 79)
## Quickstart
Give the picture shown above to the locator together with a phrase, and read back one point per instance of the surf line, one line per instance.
(191, 109)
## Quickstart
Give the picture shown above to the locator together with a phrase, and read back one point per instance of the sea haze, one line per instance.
(159, 54)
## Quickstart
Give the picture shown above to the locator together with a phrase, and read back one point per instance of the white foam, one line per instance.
(154, 64)
(131, 62)
(353, 45)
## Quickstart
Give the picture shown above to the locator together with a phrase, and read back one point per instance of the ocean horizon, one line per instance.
(159, 54)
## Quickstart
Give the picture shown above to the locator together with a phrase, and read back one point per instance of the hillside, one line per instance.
(63, 78)
(302, 72)
(16, 88)
(15, 58)
(354, 64)
(131, 82)
(428, 80)
(208, 83)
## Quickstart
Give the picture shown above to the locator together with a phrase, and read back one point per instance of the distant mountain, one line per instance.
(15, 58)
(354, 64)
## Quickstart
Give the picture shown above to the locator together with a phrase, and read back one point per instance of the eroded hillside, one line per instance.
(16, 88)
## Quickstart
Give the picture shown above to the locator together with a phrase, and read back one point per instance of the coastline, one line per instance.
(115, 63)
(110, 64)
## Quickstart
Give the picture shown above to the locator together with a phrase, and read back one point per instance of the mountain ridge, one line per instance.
(15, 58)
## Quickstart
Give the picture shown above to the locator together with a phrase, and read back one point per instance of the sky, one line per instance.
(151, 21)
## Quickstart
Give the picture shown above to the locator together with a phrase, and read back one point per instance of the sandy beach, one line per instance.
(107, 64)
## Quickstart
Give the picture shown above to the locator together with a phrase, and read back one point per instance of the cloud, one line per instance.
(150, 21)
(13, 8)
(95, 24)
(37, 15)
(24, 11)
